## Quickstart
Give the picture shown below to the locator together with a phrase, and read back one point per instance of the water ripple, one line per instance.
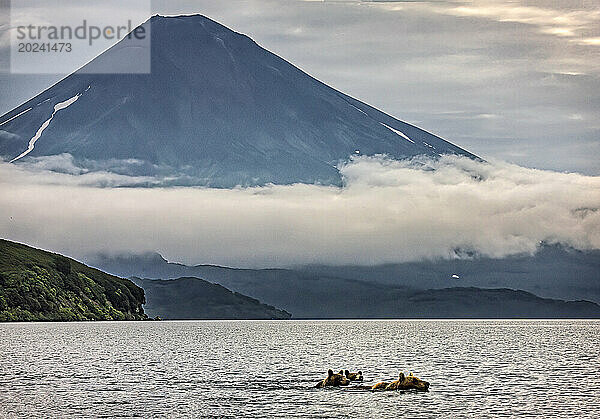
(258, 368)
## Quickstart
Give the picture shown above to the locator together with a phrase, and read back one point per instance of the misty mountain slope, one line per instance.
(554, 271)
(193, 298)
(304, 295)
(313, 295)
(217, 110)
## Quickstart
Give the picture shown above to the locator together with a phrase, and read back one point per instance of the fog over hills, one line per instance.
(468, 288)
(216, 110)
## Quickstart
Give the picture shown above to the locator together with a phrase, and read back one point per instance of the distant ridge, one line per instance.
(216, 110)
(331, 293)
(196, 299)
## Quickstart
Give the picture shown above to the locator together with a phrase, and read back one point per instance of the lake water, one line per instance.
(269, 368)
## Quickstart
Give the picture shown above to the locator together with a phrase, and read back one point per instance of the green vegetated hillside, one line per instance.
(194, 298)
(41, 286)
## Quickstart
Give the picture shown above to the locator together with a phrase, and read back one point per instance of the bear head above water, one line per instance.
(333, 380)
(354, 376)
(403, 383)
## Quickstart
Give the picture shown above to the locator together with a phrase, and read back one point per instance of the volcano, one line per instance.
(215, 110)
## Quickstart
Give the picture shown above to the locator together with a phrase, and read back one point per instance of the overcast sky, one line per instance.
(516, 80)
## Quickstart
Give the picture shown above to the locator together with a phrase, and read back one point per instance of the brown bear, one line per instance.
(333, 380)
(380, 386)
(403, 383)
(354, 376)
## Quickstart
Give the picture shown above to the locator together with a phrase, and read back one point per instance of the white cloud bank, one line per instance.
(389, 211)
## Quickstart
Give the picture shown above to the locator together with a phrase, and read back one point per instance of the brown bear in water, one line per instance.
(403, 383)
(333, 380)
(354, 376)
(380, 386)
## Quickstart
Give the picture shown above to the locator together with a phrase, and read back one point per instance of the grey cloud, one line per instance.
(388, 211)
(8, 136)
(62, 163)
(63, 170)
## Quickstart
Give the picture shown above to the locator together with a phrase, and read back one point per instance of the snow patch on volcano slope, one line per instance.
(59, 106)
(395, 131)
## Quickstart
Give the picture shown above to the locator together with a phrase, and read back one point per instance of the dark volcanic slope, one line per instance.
(193, 298)
(217, 109)
(38, 285)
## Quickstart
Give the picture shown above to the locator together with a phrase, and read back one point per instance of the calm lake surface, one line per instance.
(264, 368)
